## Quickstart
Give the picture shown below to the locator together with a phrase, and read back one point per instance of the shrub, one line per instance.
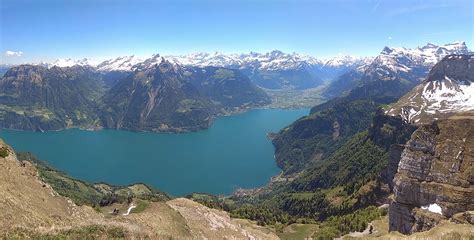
(4, 152)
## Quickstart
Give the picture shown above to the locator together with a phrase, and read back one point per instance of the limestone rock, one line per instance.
(435, 172)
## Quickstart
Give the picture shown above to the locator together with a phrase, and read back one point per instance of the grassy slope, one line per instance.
(83, 193)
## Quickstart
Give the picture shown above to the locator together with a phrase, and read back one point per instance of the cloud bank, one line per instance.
(13, 54)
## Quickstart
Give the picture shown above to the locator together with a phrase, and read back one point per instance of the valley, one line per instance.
(233, 153)
(236, 119)
(343, 168)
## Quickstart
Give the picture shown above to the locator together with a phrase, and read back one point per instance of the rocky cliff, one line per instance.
(435, 175)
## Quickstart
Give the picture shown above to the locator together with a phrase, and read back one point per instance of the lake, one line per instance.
(233, 153)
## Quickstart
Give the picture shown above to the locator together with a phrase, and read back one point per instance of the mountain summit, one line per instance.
(448, 89)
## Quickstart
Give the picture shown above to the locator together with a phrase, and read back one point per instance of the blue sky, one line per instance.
(50, 29)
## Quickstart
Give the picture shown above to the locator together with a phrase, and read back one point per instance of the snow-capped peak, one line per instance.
(346, 60)
(448, 89)
(69, 62)
(405, 60)
(274, 60)
(155, 60)
(124, 63)
(427, 55)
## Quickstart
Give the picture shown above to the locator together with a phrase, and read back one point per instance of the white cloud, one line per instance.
(389, 38)
(13, 54)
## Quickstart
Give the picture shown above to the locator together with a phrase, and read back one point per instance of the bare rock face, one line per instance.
(435, 175)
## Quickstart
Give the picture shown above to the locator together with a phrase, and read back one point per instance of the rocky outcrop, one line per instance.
(395, 153)
(435, 175)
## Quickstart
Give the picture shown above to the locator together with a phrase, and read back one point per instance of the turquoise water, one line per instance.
(234, 152)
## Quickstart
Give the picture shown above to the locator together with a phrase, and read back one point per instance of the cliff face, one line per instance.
(435, 175)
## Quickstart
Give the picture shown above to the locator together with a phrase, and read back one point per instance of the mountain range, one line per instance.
(279, 70)
(404, 66)
(155, 97)
(182, 93)
(398, 130)
(272, 70)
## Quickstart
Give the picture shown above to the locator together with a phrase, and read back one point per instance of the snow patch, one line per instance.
(124, 63)
(448, 95)
(130, 209)
(434, 208)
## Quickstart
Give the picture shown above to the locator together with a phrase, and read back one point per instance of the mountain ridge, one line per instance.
(156, 96)
(408, 66)
(449, 88)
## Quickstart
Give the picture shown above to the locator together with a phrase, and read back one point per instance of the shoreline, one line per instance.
(170, 130)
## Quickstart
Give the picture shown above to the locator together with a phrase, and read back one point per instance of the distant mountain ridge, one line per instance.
(417, 61)
(279, 70)
(407, 67)
(272, 70)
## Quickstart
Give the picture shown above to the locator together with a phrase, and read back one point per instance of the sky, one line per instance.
(44, 30)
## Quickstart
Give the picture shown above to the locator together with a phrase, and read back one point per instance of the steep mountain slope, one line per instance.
(448, 89)
(342, 85)
(32, 208)
(435, 176)
(229, 89)
(4, 68)
(156, 99)
(405, 67)
(28, 203)
(313, 138)
(164, 96)
(38, 98)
